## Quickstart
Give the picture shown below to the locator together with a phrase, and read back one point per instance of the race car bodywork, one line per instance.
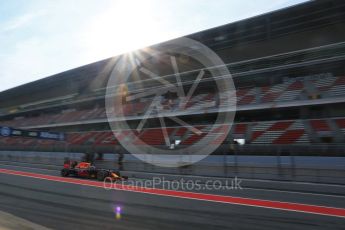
(87, 170)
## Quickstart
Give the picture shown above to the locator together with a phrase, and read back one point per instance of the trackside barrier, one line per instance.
(329, 170)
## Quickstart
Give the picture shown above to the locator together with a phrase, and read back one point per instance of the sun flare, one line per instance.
(124, 27)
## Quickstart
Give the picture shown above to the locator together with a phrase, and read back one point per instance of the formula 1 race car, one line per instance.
(87, 170)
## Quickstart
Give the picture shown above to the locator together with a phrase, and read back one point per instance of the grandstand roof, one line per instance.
(306, 25)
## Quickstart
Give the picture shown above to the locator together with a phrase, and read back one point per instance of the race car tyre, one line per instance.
(64, 172)
(101, 175)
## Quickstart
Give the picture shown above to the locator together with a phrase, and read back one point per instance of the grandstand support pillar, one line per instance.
(235, 160)
(279, 163)
(310, 88)
(120, 161)
(249, 132)
(292, 164)
(337, 134)
(312, 135)
(225, 163)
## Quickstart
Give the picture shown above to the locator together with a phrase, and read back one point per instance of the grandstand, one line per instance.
(288, 68)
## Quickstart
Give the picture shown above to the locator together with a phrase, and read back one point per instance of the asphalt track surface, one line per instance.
(34, 195)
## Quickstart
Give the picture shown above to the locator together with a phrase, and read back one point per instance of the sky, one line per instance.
(39, 38)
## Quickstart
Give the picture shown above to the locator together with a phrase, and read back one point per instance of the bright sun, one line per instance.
(125, 26)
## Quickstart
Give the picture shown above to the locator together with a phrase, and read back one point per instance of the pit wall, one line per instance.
(328, 170)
